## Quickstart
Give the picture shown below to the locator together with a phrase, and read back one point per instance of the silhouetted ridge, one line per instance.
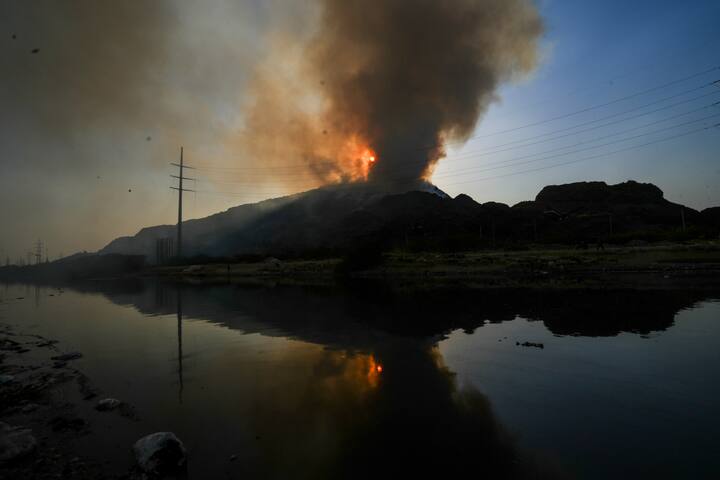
(336, 219)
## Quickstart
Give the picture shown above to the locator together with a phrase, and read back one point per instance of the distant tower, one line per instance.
(38, 252)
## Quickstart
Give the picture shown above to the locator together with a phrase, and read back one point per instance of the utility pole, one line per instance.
(180, 190)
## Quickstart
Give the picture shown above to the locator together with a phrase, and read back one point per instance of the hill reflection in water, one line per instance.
(349, 382)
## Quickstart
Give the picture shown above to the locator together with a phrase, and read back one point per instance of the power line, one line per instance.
(499, 164)
(524, 143)
(300, 166)
(584, 159)
(509, 162)
(479, 154)
(595, 107)
(551, 136)
(547, 167)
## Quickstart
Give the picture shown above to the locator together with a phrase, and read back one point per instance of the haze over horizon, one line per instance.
(94, 117)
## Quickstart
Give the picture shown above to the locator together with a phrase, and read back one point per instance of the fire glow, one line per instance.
(360, 157)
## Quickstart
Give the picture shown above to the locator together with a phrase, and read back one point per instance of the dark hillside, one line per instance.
(338, 219)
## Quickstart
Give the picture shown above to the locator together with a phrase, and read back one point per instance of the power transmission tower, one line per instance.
(180, 190)
(38, 252)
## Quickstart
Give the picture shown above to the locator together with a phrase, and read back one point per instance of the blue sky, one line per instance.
(594, 53)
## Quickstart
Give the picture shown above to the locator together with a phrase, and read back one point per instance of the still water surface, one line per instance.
(363, 381)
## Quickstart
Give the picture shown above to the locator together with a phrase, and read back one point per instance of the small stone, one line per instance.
(107, 404)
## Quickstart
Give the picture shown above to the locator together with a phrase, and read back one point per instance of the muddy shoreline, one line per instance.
(46, 406)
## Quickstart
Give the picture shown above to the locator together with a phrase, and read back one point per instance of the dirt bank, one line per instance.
(646, 267)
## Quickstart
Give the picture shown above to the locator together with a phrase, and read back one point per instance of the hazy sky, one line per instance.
(91, 121)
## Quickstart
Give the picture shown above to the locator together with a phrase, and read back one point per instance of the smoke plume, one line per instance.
(380, 86)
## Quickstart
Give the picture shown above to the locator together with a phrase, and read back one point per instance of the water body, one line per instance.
(364, 381)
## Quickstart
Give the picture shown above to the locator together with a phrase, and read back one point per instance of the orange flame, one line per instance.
(359, 156)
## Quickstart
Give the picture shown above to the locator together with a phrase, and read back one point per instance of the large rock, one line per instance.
(161, 454)
(15, 442)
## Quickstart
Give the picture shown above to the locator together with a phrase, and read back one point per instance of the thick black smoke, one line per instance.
(408, 74)
(403, 76)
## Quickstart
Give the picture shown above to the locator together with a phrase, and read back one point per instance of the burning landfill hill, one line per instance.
(327, 218)
(337, 219)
